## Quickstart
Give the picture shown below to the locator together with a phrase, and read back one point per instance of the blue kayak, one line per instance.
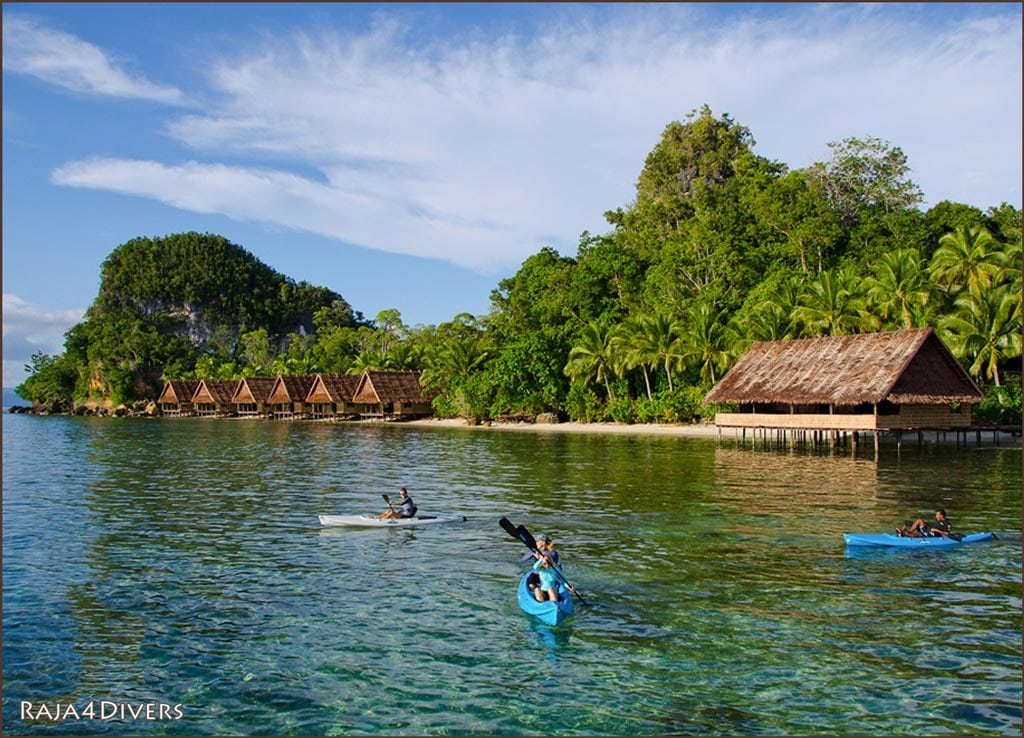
(548, 612)
(895, 541)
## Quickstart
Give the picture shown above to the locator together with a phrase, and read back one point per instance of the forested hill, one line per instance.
(164, 303)
(720, 247)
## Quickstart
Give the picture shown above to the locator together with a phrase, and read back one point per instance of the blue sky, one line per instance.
(412, 155)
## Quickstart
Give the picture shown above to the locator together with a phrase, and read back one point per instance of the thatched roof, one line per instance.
(903, 367)
(290, 388)
(178, 390)
(378, 387)
(333, 388)
(253, 390)
(216, 391)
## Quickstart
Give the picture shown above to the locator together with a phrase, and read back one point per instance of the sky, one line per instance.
(412, 155)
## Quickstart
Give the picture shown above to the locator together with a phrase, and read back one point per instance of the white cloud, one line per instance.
(29, 329)
(478, 150)
(67, 61)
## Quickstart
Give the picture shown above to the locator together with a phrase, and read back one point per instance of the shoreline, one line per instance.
(697, 430)
(989, 437)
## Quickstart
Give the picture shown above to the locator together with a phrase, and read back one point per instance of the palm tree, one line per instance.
(832, 305)
(405, 355)
(368, 361)
(899, 288)
(593, 356)
(985, 329)
(967, 258)
(627, 345)
(454, 362)
(659, 343)
(707, 341)
(772, 319)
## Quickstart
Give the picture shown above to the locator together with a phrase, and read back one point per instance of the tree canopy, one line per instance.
(720, 247)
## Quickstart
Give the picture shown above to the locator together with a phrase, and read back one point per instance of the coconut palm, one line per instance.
(660, 344)
(832, 305)
(985, 330)
(627, 345)
(771, 319)
(593, 356)
(967, 258)
(898, 290)
(405, 355)
(708, 341)
(454, 362)
(368, 361)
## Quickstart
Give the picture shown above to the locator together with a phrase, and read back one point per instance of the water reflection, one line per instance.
(184, 560)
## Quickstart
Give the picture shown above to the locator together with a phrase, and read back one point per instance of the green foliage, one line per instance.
(719, 248)
(164, 303)
(1002, 404)
(51, 379)
(527, 376)
(622, 410)
(582, 404)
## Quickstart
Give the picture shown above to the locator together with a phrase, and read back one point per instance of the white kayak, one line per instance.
(372, 521)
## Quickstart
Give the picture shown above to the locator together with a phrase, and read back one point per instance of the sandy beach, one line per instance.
(988, 437)
(697, 430)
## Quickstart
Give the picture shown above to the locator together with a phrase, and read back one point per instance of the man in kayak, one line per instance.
(407, 510)
(920, 529)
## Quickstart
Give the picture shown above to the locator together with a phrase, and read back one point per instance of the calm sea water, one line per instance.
(179, 562)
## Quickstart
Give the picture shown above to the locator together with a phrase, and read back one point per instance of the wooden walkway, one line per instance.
(794, 438)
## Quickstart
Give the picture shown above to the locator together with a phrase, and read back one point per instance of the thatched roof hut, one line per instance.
(336, 388)
(213, 396)
(288, 395)
(331, 395)
(252, 394)
(176, 397)
(393, 394)
(907, 376)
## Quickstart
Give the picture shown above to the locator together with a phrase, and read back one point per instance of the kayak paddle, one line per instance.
(388, 500)
(520, 532)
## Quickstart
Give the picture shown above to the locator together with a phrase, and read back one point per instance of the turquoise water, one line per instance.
(179, 562)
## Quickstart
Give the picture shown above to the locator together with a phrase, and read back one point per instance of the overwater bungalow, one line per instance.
(251, 396)
(176, 398)
(870, 383)
(213, 397)
(287, 397)
(392, 396)
(331, 396)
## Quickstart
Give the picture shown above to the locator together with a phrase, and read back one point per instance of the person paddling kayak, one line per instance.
(406, 510)
(545, 546)
(919, 529)
(546, 589)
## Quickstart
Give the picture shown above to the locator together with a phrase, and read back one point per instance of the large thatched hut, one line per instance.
(251, 396)
(176, 398)
(213, 397)
(901, 380)
(392, 395)
(331, 396)
(288, 396)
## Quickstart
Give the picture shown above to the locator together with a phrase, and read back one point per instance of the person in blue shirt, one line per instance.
(406, 510)
(547, 588)
(545, 546)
